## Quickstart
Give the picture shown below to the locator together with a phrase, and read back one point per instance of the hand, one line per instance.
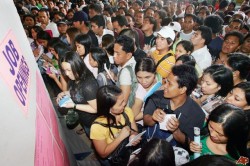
(136, 141)
(194, 147)
(158, 115)
(125, 132)
(36, 52)
(146, 48)
(173, 124)
(60, 95)
(69, 105)
(52, 75)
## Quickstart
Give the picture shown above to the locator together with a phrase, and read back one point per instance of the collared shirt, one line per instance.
(125, 78)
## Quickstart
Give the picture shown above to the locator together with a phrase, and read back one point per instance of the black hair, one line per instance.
(98, 20)
(121, 20)
(214, 22)
(126, 42)
(236, 34)
(54, 41)
(61, 48)
(235, 126)
(100, 56)
(152, 21)
(187, 45)
(191, 15)
(109, 10)
(95, 7)
(239, 62)
(155, 152)
(222, 76)
(161, 13)
(187, 77)
(43, 35)
(245, 86)
(106, 98)
(211, 160)
(145, 64)
(187, 59)
(206, 33)
(84, 40)
(166, 21)
(108, 43)
(78, 67)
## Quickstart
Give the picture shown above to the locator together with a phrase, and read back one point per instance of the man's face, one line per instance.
(196, 38)
(130, 21)
(43, 17)
(146, 25)
(92, 13)
(62, 28)
(117, 27)
(120, 56)
(230, 44)
(139, 18)
(77, 24)
(188, 24)
(95, 28)
(171, 88)
(150, 13)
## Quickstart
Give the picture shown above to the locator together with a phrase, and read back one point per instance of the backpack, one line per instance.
(134, 85)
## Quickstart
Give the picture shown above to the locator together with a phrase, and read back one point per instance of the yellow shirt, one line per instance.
(164, 68)
(99, 132)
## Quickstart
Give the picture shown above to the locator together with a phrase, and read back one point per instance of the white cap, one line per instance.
(175, 26)
(167, 32)
(240, 13)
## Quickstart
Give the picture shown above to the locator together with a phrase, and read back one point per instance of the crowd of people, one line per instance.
(155, 67)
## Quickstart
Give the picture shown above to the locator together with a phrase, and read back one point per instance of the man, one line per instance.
(232, 42)
(80, 21)
(123, 51)
(62, 27)
(46, 24)
(98, 27)
(174, 99)
(200, 39)
(139, 15)
(188, 25)
(163, 55)
(94, 9)
(119, 23)
(137, 5)
(148, 27)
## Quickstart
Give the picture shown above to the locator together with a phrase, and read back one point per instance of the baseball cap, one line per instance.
(175, 26)
(167, 32)
(80, 16)
(62, 21)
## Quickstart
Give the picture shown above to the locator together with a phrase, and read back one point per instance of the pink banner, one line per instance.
(50, 149)
(14, 70)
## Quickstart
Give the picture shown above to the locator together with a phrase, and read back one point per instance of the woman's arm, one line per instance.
(104, 149)
(91, 107)
(137, 109)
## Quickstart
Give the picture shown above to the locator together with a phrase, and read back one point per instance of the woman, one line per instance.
(71, 33)
(227, 133)
(240, 96)
(29, 20)
(114, 126)
(183, 47)
(216, 82)
(82, 88)
(149, 81)
(82, 44)
(98, 58)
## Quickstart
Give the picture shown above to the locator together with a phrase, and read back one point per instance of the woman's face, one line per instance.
(216, 133)
(208, 85)
(66, 67)
(190, 10)
(80, 49)
(119, 106)
(237, 97)
(33, 34)
(180, 51)
(92, 62)
(29, 21)
(146, 79)
(43, 42)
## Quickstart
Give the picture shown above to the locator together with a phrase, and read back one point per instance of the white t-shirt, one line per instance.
(94, 70)
(202, 57)
(125, 78)
(185, 36)
(105, 31)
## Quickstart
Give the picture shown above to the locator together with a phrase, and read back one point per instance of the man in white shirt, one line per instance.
(98, 26)
(200, 39)
(188, 25)
(46, 24)
(123, 51)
